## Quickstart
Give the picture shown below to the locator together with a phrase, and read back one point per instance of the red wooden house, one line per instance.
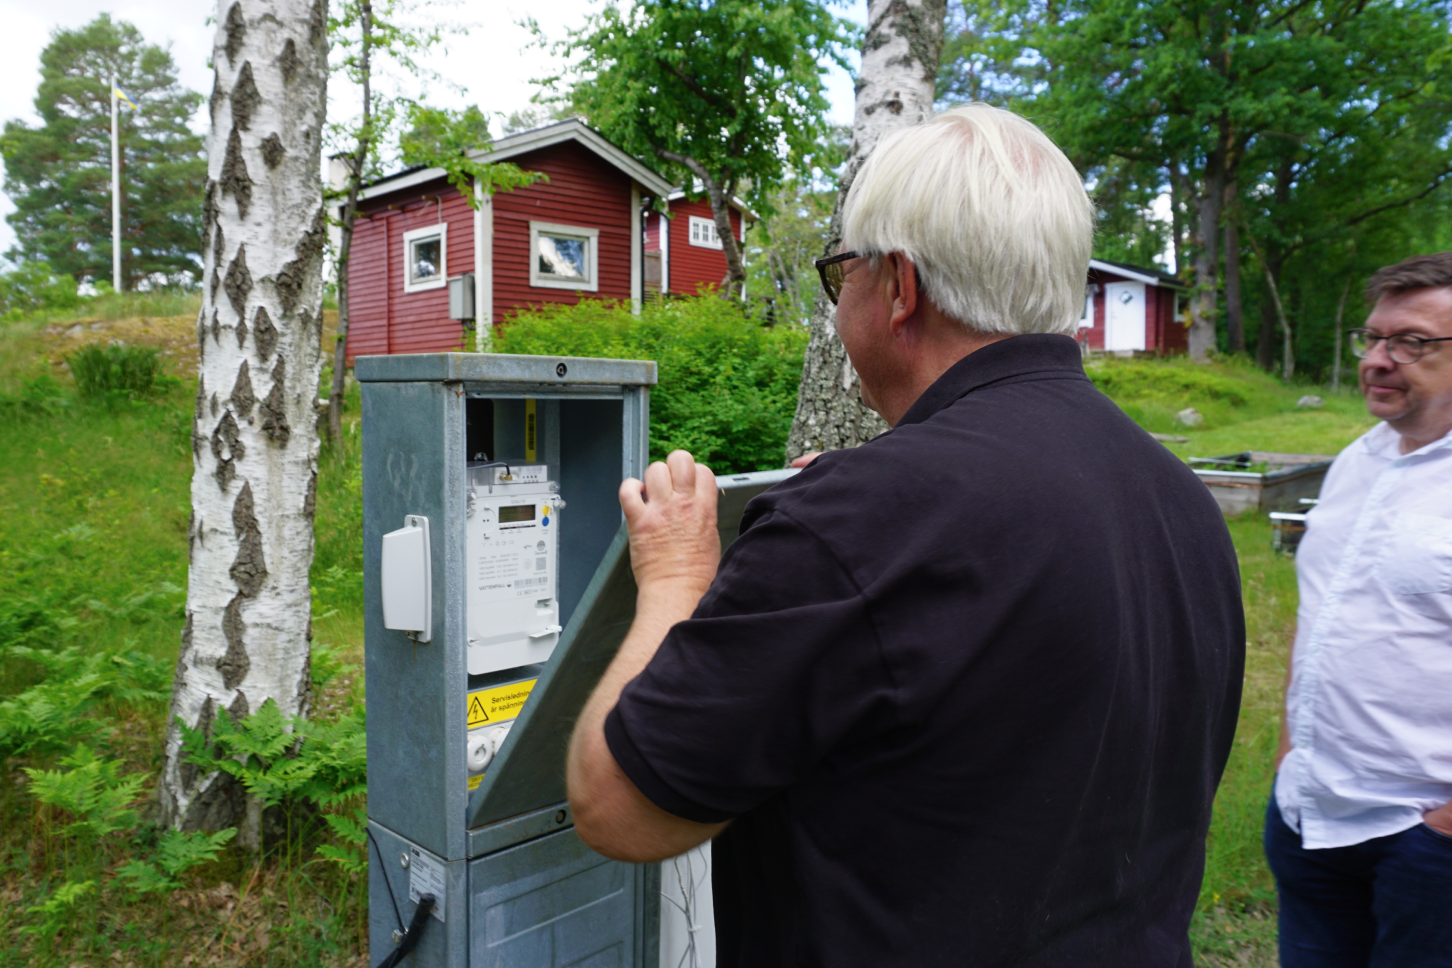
(1132, 309)
(576, 235)
(688, 254)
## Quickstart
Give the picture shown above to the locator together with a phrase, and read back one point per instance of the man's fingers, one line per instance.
(705, 483)
(632, 499)
(806, 458)
(683, 471)
(657, 482)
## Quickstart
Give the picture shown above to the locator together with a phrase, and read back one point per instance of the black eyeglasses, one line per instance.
(1401, 347)
(832, 273)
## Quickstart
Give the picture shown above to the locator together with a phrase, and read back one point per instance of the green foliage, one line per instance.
(58, 174)
(282, 759)
(1316, 125)
(735, 85)
(103, 370)
(728, 386)
(33, 287)
(781, 250)
(55, 712)
(456, 141)
(93, 792)
(38, 395)
(176, 853)
(1175, 382)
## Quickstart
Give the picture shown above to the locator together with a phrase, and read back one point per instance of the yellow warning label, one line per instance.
(498, 704)
(475, 780)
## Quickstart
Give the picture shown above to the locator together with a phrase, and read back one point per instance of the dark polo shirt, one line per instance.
(965, 691)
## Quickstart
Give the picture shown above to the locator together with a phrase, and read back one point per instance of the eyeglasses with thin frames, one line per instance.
(1403, 348)
(833, 273)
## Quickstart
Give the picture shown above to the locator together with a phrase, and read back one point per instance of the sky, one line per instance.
(494, 62)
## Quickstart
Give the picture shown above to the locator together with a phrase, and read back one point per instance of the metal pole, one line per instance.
(115, 194)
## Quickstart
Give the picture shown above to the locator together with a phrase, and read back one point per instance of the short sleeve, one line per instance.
(779, 665)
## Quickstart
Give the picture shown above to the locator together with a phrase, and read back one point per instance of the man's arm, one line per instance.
(674, 551)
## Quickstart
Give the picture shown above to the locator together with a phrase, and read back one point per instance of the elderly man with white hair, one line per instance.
(961, 695)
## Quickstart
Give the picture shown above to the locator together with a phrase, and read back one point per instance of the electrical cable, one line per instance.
(386, 882)
(412, 933)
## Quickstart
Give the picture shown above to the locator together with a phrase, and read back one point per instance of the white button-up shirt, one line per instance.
(1370, 703)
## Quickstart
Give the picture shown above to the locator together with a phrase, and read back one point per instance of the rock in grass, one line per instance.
(1310, 401)
(1189, 417)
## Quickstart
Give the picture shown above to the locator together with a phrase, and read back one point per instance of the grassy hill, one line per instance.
(93, 523)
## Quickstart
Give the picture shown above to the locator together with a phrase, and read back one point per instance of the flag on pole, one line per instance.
(121, 96)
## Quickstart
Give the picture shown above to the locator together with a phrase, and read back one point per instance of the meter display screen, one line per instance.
(517, 512)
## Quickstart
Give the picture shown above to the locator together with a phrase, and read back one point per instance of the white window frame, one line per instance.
(539, 280)
(704, 224)
(440, 230)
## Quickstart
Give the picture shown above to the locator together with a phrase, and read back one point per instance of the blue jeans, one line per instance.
(1385, 903)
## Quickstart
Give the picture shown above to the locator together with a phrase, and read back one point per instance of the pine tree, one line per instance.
(58, 174)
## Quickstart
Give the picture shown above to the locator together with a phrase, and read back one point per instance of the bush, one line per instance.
(728, 385)
(32, 287)
(100, 371)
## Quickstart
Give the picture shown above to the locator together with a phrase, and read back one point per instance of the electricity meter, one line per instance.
(511, 567)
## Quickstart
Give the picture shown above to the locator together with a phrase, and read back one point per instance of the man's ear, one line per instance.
(903, 290)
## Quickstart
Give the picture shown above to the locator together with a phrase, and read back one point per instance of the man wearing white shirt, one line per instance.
(1359, 830)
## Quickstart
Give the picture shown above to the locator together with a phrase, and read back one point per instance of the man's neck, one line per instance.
(1411, 440)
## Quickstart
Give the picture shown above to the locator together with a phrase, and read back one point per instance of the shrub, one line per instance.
(33, 287)
(1168, 381)
(100, 371)
(728, 385)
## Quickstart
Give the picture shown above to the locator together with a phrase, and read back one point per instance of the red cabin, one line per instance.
(1131, 309)
(576, 235)
(688, 255)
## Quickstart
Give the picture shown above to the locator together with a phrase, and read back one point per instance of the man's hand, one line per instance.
(806, 458)
(672, 523)
(1440, 819)
(674, 551)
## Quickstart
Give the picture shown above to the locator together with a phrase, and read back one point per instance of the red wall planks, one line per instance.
(382, 317)
(693, 266)
(584, 191)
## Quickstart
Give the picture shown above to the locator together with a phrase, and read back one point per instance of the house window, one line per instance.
(563, 257)
(703, 232)
(424, 253)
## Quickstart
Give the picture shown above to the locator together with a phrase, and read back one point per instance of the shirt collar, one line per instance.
(1016, 356)
(1383, 441)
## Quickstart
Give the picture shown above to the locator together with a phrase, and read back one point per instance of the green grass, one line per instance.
(93, 519)
(1244, 408)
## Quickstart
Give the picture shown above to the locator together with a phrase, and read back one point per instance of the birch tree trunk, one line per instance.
(895, 88)
(254, 436)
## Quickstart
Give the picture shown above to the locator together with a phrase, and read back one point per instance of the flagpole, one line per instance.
(115, 194)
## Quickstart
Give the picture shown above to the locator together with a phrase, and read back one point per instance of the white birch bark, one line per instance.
(895, 88)
(254, 436)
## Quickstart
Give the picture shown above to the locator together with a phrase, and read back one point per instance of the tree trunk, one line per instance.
(356, 165)
(1234, 310)
(895, 88)
(1336, 338)
(254, 436)
(1203, 306)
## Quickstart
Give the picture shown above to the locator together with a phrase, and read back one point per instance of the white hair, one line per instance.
(993, 216)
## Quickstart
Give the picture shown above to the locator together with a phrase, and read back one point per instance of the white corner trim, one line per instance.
(538, 280)
(698, 221)
(442, 231)
(665, 251)
(637, 251)
(484, 267)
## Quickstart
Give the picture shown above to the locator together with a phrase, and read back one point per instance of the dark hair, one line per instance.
(1419, 272)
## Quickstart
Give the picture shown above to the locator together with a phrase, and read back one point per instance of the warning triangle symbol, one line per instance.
(477, 713)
